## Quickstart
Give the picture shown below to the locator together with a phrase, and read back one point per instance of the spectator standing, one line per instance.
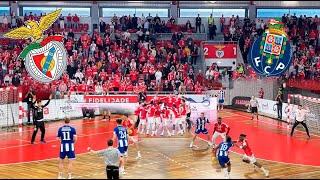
(29, 98)
(69, 19)
(13, 21)
(210, 21)
(61, 21)
(222, 22)
(75, 20)
(198, 23)
(5, 20)
(158, 76)
(261, 93)
(102, 25)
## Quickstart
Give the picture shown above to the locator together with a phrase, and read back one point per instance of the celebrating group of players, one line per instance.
(160, 112)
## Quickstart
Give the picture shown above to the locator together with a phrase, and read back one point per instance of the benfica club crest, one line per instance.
(45, 58)
(220, 52)
(271, 54)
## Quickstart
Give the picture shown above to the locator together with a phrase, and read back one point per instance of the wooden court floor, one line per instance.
(162, 158)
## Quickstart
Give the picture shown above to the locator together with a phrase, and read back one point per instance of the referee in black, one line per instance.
(111, 157)
(38, 119)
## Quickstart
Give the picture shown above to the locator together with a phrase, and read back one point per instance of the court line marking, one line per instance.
(265, 159)
(55, 157)
(272, 124)
(50, 127)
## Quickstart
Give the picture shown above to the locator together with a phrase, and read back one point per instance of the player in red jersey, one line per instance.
(183, 110)
(143, 118)
(129, 124)
(157, 116)
(150, 116)
(176, 119)
(220, 129)
(248, 157)
(165, 115)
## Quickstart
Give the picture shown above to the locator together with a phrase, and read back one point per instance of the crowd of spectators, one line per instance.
(109, 60)
(112, 62)
(303, 34)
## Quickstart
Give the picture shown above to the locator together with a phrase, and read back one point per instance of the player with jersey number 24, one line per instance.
(68, 137)
(121, 133)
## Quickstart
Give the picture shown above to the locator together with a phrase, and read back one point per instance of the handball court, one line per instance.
(164, 157)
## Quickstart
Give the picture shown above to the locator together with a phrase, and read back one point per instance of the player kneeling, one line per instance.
(130, 125)
(223, 156)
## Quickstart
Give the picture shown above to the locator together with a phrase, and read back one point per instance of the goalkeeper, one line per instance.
(129, 124)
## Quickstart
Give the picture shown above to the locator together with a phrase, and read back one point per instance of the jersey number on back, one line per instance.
(123, 134)
(66, 136)
(223, 151)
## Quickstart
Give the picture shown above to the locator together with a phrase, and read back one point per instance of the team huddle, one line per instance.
(160, 113)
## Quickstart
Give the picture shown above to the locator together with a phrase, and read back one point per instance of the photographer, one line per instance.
(279, 106)
(29, 98)
(142, 97)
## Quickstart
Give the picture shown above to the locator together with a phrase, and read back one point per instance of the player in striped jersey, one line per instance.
(67, 136)
(201, 127)
(223, 156)
(122, 135)
(221, 96)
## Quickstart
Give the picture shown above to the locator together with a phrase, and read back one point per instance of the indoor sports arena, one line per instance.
(159, 89)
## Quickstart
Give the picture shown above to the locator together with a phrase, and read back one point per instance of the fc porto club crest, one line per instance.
(271, 54)
(45, 58)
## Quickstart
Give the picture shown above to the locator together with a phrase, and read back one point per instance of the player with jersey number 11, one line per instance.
(68, 137)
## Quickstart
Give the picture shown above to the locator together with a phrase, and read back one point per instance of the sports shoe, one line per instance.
(32, 142)
(43, 142)
(138, 157)
(267, 174)
(191, 145)
(209, 144)
(69, 177)
(308, 138)
(122, 172)
(60, 177)
(161, 134)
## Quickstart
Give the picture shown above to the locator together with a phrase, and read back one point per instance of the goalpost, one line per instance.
(312, 118)
(11, 107)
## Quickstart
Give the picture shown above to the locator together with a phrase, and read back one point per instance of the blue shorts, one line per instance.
(70, 154)
(221, 101)
(204, 131)
(223, 160)
(123, 149)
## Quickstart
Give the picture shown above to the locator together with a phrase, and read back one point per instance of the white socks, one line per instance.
(226, 173)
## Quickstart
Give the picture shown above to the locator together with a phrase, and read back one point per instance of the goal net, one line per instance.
(9, 106)
(312, 118)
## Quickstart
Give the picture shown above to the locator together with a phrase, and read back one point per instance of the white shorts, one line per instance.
(165, 121)
(216, 134)
(175, 120)
(142, 122)
(252, 159)
(150, 120)
(157, 120)
(183, 119)
(134, 139)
